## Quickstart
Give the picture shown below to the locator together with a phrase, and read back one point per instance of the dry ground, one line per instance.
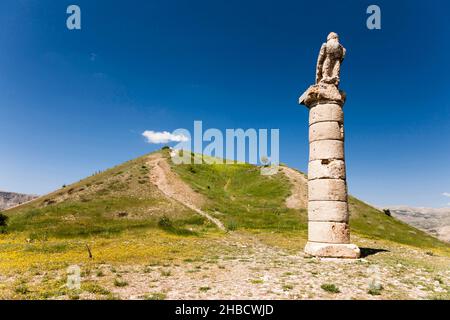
(243, 265)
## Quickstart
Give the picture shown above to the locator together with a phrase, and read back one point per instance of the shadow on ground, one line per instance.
(365, 252)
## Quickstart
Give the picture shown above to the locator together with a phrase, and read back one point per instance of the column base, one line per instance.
(332, 250)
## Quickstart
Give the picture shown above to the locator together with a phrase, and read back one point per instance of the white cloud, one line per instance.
(163, 137)
(446, 194)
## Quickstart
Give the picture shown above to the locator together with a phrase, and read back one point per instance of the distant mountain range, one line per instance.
(431, 220)
(11, 199)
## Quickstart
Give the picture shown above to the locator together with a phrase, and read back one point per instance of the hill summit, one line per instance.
(182, 224)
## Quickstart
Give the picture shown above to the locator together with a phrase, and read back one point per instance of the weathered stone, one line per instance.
(326, 149)
(322, 93)
(328, 232)
(322, 169)
(332, 250)
(329, 130)
(326, 112)
(327, 189)
(335, 211)
(331, 55)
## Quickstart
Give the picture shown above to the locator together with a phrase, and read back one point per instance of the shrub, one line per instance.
(3, 222)
(329, 287)
(164, 222)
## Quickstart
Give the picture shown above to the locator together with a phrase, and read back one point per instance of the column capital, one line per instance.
(322, 93)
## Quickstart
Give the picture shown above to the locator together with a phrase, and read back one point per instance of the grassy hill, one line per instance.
(118, 217)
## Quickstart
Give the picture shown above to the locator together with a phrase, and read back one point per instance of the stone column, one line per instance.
(328, 230)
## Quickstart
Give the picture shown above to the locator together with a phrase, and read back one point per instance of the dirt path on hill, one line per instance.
(174, 188)
(299, 197)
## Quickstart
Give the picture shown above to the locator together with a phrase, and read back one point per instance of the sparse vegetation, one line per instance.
(204, 289)
(257, 281)
(21, 288)
(155, 296)
(329, 287)
(287, 287)
(94, 288)
(120, 283)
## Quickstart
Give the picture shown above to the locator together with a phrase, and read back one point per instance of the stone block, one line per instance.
(328, 250)
(328, 211)
(326, 149)
(326, 112)
(328, 232)
(320, 169)
(327, 189)
(328, 130)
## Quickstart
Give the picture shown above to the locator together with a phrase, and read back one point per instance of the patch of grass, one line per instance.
(256, 281)
(204, 289)
(155, 296)
(167, 225)
(287, 287)
(94, 288)
(232, 225)
(329, 287)
(21, 289)
(120, 283)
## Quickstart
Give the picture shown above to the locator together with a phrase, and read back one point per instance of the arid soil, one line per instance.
(299, 197)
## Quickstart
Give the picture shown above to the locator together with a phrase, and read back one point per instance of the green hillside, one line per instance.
(118, 224)
(123, 199)
(116, 200)
(249, 200)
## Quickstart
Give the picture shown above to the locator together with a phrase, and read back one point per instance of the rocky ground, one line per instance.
(249, 266)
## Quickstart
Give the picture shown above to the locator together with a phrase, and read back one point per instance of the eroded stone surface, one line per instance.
(322, 93)
(326, 211)
(331, 55)
(327, 189)
(326, 149)
(323, 169)
(331, 130)
(328, 250)
(326, 112)
(328, 232)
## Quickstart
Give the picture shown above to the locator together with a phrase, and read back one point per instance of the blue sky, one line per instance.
(74, 102)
